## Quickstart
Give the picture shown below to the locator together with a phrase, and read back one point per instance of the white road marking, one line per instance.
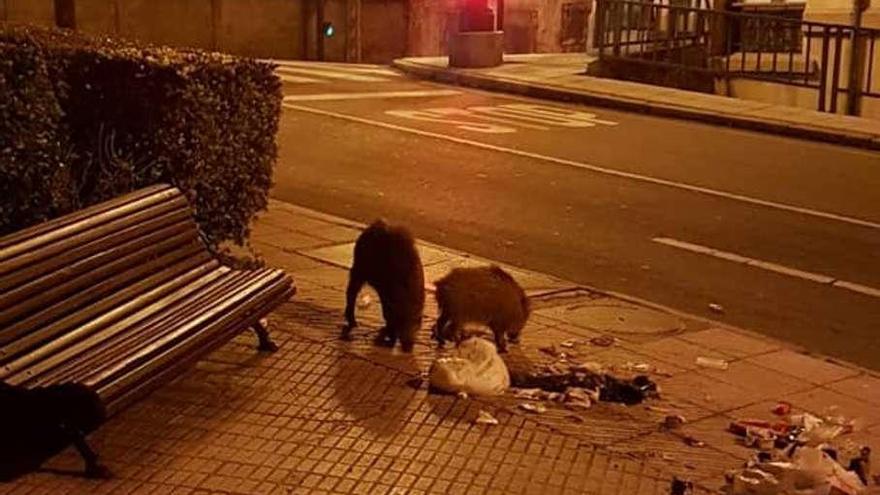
(296, 79)
(329, 74)
(602, 170)
(357, 68)
(467, 113)
(769, 266)
(516, 115)
(372, 94)
(431, 116)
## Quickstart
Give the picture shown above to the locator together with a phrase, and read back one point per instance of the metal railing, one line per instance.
(835, 60)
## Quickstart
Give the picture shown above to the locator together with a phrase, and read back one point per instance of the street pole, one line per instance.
(499, 15)
(319, 28)
(856, 60)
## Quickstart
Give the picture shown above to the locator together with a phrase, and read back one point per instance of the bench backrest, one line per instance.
(58, 279)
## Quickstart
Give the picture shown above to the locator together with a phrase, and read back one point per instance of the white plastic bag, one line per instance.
(476, 369)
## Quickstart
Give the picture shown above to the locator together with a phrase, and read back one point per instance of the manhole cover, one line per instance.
(618, 318)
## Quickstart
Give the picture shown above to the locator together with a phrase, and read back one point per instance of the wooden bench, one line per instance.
(122, 297)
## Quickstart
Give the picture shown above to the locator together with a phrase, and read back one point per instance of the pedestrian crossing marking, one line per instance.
(508, 118)
(328, 74)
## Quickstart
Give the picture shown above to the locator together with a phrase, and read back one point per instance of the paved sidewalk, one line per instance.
(562, 77)
(326, 416)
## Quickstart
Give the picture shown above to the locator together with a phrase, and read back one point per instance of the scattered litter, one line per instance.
(658, 409)
(551, 350)
(782, 409)
(578, 398)
(535, 408)
(567, 344)
(475, 368)
(716, 308)
(462, 395)
(484, 418)
(861, 465)
(365, 301)
(589, 367)
(603, 341)
(796, 456)
(713, 363)
(807, 470)
(637, 367)
(692, 442)
(529, 393)
(591, 378)
(673, 422)
(681, 487)
(629, 392)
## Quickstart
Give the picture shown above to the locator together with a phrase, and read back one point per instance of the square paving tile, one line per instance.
(864, 387)
(729, 342)
(804, 367)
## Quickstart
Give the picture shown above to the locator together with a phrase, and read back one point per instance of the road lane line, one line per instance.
(329, 74)
(297, 79)
(372, 94)
(602, 170)
(769, 266)
(357, 68)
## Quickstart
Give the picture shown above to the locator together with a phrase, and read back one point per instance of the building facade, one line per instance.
(362, 30)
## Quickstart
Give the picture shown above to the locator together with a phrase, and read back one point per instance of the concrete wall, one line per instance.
(384, 30)
(431, 22)
(187, 23)
(41, 12)
(264, 28)
(541, 19)
(99, 17)
(782, 94)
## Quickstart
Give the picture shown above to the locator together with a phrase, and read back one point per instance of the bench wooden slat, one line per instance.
(129, 312)
(66, 314)
(161, 353)
(117, 341)
(112, 352)
(62, 283)
(150, 381)
(31, 265)
(60, 228)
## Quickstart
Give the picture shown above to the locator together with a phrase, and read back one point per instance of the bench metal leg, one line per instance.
(266, 344)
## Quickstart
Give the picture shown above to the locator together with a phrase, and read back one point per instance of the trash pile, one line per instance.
(796, 457)
(579, 385)
(475, 368)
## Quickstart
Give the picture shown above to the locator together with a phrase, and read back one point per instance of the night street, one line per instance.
(781, 233)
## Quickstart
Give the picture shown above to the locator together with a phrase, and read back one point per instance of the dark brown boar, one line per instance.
(386, 258)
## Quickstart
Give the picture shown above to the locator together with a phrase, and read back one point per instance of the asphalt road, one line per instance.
(783, 234)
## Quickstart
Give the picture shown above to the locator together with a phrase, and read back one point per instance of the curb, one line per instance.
(318, 215)
(491, 83)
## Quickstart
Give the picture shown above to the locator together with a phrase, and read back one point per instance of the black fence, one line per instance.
(836, 61)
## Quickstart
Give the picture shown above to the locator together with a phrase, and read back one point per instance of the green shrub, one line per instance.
(138, 115)
(35, 185)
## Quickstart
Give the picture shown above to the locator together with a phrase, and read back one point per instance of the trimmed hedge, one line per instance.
(34, 185)
(137, 115)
